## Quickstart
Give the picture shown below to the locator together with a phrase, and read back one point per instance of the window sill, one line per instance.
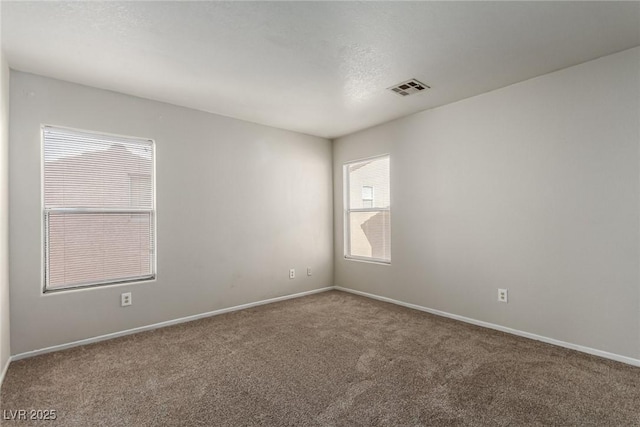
(98, 286)
(367, 260)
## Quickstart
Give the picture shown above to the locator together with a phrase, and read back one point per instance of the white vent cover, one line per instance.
(409, 87)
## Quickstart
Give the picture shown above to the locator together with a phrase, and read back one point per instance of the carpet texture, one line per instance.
(327, 359)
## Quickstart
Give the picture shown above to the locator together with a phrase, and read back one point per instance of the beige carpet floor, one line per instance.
(326, 359)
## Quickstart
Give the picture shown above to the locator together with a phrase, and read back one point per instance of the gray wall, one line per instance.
(238, 204)
(534, 188)
(5, 349)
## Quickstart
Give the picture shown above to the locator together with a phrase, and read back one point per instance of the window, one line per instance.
(368, 210)
(367, 196)
(99, 209)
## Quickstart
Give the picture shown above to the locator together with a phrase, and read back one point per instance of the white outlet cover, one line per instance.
(292, 273)
(308, 271)
(503, 295)
(126, 299)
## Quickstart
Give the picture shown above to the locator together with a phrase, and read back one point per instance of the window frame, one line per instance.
(46, 212)
(347, 210)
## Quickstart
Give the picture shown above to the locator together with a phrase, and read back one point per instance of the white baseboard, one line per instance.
(4, 371)
(158, 325)
(589, 350)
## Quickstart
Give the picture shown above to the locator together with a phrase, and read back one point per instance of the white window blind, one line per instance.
(368, 210)
(98, 209)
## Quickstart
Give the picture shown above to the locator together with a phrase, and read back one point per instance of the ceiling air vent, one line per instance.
(409, 87)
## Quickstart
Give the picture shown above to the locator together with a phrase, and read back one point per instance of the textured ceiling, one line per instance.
(315, 67)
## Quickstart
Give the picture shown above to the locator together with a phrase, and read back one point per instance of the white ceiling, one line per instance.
(319, 68)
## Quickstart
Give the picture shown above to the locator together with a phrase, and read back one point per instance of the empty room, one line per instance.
(319, 213)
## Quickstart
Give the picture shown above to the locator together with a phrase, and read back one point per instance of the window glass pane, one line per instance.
(93, 171)
(369, 234)
(367, 192)
(87, 248)
(369, 184)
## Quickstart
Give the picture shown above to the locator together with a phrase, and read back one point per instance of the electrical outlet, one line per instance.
(503, 295)
(125, 299)
(292, 273)
(308, 271)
